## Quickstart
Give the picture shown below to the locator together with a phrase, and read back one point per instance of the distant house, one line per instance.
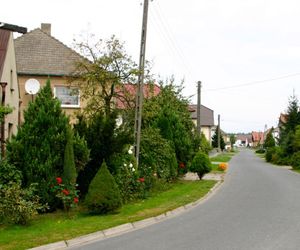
(41, 56)
(243, 140)
(126, 94)
(8, 78)
(206, 120)
(257, 138)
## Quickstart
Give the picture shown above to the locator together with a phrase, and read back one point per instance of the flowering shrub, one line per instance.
(68, 194)
(19, 205)
(223, 166)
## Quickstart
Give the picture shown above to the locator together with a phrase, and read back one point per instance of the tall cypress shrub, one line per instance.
(70, 174)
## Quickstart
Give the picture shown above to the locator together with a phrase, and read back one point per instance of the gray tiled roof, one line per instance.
(38, 53)
(206, 115)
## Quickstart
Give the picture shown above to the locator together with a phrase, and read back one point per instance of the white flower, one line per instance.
(125, 165)
(130, 152)
(130, 165)
(133, 169)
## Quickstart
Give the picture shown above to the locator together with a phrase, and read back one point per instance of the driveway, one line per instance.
(257, 207)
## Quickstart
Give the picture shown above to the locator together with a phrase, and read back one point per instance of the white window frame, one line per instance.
(67, 105)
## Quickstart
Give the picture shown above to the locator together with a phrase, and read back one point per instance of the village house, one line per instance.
(206, 120)
(40, 56)
(9, 93)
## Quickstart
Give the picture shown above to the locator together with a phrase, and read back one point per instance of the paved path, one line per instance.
(257, 207)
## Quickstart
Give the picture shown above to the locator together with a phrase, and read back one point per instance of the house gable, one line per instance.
(39, 53)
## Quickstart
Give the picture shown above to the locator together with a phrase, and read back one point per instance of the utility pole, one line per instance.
(140, 86)
(219, 134)
(3, 85)
(199, 109)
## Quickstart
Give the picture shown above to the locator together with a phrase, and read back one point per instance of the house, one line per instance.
(126, 94)
(41, 56)
(8, 79)
(206, 120)
(257, 138)
(243, 140)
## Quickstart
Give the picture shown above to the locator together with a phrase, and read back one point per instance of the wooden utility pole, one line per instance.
(140, 87)
(219, 134)
(3, 85)
(199, 109)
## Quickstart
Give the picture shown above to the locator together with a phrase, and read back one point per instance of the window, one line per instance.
(69, 97)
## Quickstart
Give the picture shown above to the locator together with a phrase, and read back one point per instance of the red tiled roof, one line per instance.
(4, 38)
(257, 136)
(127, 92)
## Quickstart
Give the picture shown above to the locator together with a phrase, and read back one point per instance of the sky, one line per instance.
(246, 53)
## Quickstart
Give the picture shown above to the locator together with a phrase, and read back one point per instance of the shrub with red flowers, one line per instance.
(67, 193)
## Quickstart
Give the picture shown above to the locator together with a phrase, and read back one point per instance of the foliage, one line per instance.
(270, 141)
(104, 139)
(200, 164)
(127, 176)
(69, 173)
(232, 140)
(295, 160)
(288, 129)
(103, 195)
(4, 110)
(157, 157)
(18, 205)
(38, 148)
(276, 155)
(168, 111)
(296, 143)
(81, 152)
(260, 151)
(67, 192)
(204, 144)
(215, 140)
(108, 67)
(9, 173)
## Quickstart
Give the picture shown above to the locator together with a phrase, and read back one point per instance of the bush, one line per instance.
(127, 176)
(18, 205)
(9, 173)
(157, 158)
(103, 194)
(295, 160)
(200, 164)
(260, 151)
(276, 156)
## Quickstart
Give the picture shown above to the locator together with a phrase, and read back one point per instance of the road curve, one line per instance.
(257, 207)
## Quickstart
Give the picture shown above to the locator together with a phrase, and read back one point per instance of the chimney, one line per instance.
(46, 27)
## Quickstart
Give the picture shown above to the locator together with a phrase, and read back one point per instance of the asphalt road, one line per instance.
(257, 207)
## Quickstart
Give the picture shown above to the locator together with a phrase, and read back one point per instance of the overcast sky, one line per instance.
(245, 52)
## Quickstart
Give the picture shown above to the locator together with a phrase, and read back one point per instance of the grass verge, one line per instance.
(216, 169)
(59, 226)
(223, 157)
(296, 170)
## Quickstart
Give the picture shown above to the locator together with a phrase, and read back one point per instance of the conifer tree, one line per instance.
(270, 141)
(38, 148)
(69, 174)
(103, 195)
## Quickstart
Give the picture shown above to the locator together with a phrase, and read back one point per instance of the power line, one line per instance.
(254, 82)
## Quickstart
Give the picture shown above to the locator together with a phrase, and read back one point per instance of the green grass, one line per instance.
(223, 157)
(215, 168)
(296, 170)
(58, 226)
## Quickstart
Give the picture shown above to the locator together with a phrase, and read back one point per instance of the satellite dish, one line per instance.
(32, 86)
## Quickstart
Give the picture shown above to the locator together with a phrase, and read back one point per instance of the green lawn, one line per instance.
(215, 168)
(61, 226)
(296, 170)
(223, 157)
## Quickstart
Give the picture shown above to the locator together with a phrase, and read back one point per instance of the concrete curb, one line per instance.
(128, 227)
